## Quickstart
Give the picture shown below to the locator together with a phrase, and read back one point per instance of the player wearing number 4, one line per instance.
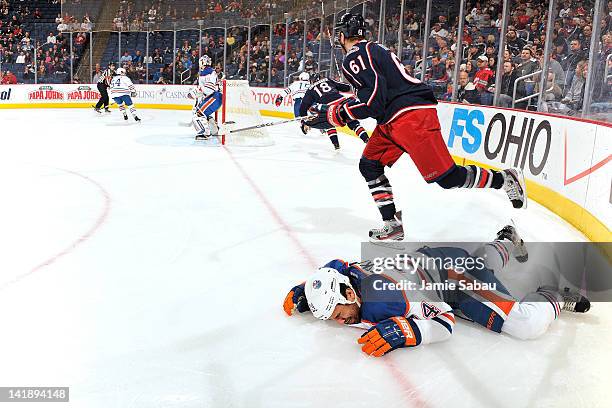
(409, 316)
(122, 91)
(208, 99)
(328, 91)
(405, 110)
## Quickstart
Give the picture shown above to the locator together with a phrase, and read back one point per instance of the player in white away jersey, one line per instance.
(208, 99)
(415, 303)
(297, 90)
(122, 91)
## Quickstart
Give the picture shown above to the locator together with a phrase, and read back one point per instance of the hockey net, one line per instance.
(240, 110)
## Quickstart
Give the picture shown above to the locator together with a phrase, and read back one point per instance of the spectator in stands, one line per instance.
(484, 79)
(80, 39)
(255, 76)
(62, 26)
(51, 39)
(466, 92)
(507, 86)
(137, 58)
(157, 57)
(9, 78)
(468, 67)
(514, 43)
(21, 58)
(554, 67)
(572, 101)
(552, 91)
(438, 31)
(569, 63)
(158, 76)
(438, 69)
(528, 65)
(125, 58)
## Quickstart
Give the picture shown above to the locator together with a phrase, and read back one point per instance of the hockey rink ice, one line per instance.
(143, 269)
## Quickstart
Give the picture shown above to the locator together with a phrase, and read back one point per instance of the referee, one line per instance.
(103, 85)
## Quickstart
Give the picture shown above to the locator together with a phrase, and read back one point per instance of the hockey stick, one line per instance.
(225, 129)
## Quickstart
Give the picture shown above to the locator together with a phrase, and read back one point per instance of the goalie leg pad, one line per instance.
(201, 126)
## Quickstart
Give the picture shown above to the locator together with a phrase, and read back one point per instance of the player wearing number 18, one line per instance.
(407, 122)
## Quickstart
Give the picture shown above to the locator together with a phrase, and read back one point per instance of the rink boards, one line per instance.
(566, 161)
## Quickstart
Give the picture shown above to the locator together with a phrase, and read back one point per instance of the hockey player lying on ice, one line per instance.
(397, 313)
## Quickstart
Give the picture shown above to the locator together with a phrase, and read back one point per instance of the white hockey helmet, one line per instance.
(304, 76)
(323, 292)
(205, 61)
(120, 71)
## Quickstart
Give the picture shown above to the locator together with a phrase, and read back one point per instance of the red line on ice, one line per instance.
(396, 373)
(84, 237)
(279, 220)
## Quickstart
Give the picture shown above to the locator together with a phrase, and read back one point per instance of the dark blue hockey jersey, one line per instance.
(384, 89)
(325, 91)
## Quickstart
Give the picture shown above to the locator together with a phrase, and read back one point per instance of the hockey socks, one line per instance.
(333, 137)
(471, 177)
(132, 110)
(363, 135)
(478, 177)
(380, 188)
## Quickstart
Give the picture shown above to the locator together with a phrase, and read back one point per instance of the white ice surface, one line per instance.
(143, 270)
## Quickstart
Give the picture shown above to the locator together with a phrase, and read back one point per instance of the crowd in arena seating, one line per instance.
(34, 28)
(477, 58)
(523, 55)
(132, 14)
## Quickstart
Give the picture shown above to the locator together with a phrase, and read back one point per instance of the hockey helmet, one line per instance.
(304, 76)
(314, 77)
(351, 25)
(120, 71)
(323, 292)
(205, 61)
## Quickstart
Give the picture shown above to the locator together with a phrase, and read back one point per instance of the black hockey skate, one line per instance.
(202, 137)
(336, 147)
(572, 301)
(393, 230)
(575, 302)
(97, 110)
(136, 118)
(514, 186)
(125, 117)
(107, 110)
(520, 249)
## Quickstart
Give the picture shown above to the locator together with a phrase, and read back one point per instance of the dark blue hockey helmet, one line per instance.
(351, 25)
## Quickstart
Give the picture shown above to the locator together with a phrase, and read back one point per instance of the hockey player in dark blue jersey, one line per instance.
(405, 109)
(415, 303)
(328, 91)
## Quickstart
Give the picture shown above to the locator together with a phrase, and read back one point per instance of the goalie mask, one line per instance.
(323, 292)
(205, 61)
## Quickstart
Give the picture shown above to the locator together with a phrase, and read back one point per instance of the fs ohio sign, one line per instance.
(503, 136)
